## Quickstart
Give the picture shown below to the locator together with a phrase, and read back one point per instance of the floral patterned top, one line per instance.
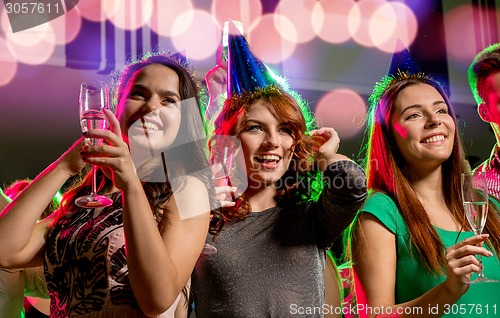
(86, 266)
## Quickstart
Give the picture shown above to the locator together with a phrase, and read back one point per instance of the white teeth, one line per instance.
(434, 139)
(269, 157)
(149, 126)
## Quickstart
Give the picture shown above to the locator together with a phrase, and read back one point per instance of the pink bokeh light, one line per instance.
(36, 54)
(359, 21)
(165, 13)
(266, 41)
(128, 14)
(460, 29)
(383, 24)
(342, 109)
(285, 28)
(8, 64)
(244, 11)
(390, 22)
(67, 27)
(32, 46)
(300, 13)
(91, 10)
(330, 20)
(198, 45)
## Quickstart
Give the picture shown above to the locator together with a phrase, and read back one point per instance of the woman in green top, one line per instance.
(412, 249)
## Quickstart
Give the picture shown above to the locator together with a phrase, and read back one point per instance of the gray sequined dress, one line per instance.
(271, 264)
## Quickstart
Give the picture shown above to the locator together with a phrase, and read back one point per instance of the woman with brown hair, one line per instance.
(133, 258)
(271, 245)
(412, 248)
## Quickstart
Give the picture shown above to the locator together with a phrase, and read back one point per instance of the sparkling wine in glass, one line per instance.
(475, 200)
(223, 149)
(93, 100)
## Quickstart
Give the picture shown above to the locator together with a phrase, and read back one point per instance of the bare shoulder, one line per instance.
(192, 186)
(192, 199)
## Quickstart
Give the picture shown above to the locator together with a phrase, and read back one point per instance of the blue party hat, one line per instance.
(245, 72)
(402, 67)
(402, 61)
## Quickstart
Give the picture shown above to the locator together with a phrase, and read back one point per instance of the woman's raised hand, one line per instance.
(327, 152)
(113, 153)
(216, 80)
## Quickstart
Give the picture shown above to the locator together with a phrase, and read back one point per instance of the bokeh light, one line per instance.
(90, 9)
(285, 28)
(342, 109)
(31, 46)
(128, 14)
(165, 13)
(67, 26)
(331, 21)
(201, 38)
(360, 19)
(461, 33)
(266, 41)
(244, 11)
(35, 54)
(300, 13)
(8, 64)
(383, 24)
(390, 22)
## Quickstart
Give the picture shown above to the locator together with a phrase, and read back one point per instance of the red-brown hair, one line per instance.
(230, 122)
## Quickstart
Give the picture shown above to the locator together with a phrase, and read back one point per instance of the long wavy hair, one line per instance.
(386, 173)
(191, 128)
(301, 182)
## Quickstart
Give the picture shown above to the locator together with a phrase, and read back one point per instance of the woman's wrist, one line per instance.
(456, 291)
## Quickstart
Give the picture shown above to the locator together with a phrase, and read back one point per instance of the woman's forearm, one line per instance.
(18, 219)
(434, 303)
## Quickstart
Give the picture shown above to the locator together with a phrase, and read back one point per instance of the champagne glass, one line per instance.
(223, 149)
(475, 200)
(93, 100)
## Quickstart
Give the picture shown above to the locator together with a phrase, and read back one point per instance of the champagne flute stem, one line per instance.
(94, 180)
(480, 275)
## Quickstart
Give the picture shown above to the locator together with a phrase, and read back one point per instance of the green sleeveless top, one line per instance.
(412, 280)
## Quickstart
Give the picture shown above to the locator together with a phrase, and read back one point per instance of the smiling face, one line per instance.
(267, 145)
(150, 114)
(422, 127)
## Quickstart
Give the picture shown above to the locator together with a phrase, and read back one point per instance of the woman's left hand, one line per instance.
(113, 153)
(461, 262)
(327, 153)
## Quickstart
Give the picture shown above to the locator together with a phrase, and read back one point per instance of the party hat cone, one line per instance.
(402, 61)
(246, 73)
